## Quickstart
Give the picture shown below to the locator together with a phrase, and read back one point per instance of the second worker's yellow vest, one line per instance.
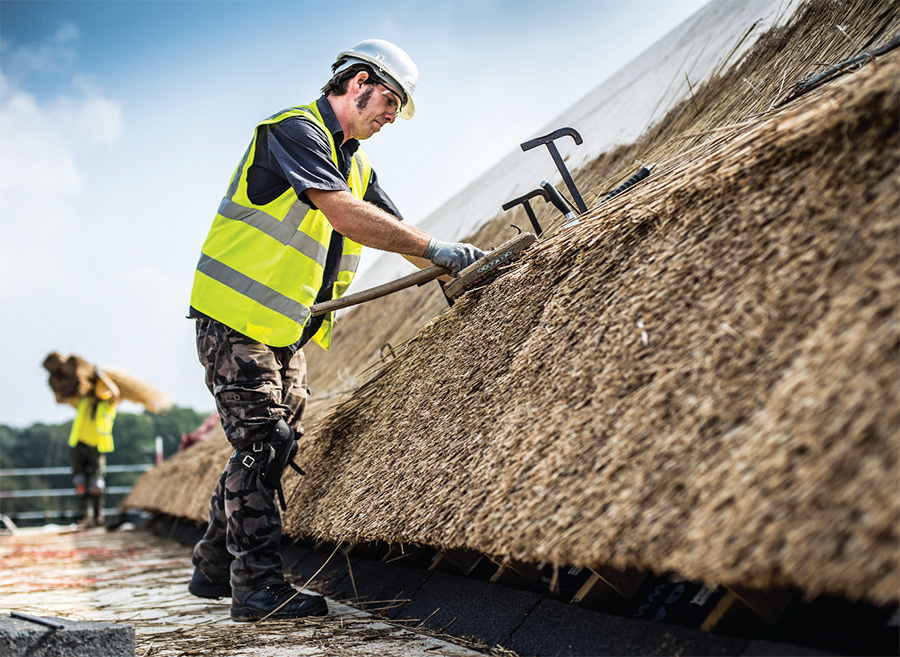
(93, 429)
(262, 266)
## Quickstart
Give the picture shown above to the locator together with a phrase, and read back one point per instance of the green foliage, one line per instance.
(44, 446)
(37, 446)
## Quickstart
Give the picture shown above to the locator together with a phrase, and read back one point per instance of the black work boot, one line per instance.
(204, 586)
(263, 603)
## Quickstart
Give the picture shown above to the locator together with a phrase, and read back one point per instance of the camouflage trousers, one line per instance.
(254, 386)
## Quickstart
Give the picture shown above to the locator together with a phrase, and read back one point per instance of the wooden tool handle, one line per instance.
(416, 278)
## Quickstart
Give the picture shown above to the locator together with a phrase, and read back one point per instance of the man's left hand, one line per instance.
(455, 256)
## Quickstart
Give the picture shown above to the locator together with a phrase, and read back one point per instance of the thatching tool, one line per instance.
(557, 159)
(800, 87)
(525, 200)
(487, 268)
(635, 179)
(475, 274)
(557, 199)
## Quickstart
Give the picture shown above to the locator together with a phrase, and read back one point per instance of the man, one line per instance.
(91, 440)
(288, 234)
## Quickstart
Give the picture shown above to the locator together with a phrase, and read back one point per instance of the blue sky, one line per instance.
(121, 123)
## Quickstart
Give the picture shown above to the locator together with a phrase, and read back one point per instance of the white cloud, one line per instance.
(43, 142)
(88, 119)
(51, 54)
(47, 291)
(36, 157)
(41, 180)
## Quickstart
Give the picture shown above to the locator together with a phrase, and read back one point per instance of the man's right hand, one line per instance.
(455, 256)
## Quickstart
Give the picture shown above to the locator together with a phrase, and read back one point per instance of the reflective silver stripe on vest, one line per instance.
(284, 231)
(245, 285)
(349, 262)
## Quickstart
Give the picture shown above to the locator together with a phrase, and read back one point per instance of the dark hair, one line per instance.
(337, 86)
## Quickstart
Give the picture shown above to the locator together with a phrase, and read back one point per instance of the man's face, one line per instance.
(376, 105)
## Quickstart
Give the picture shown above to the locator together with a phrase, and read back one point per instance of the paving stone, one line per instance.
(21, 638)
(134, 579)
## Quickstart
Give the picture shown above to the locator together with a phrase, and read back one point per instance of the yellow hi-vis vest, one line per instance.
(262, 266)
(94, 431)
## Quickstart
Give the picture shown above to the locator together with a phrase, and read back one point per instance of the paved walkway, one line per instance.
(132, 576)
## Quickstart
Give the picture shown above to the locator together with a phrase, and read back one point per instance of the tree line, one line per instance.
(47, 445)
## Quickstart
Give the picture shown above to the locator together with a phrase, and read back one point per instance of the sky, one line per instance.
(121, 123)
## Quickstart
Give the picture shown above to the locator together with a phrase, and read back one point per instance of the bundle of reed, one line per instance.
(73, 377)
(70, 378)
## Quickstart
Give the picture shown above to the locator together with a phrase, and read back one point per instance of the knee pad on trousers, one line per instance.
(270, 457)
(284, 447)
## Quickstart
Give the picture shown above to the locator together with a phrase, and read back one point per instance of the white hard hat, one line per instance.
(390, 62)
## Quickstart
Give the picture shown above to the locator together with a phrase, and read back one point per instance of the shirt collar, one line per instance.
(334, 126)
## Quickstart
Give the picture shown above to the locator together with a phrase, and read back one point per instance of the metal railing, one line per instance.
(50, 514)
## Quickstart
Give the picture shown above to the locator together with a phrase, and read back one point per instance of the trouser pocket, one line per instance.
(246, 412)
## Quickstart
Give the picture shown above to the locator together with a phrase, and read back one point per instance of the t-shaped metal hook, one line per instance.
(525, 200)
(557, 159)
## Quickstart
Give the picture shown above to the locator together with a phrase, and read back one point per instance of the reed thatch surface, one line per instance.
(701, 377)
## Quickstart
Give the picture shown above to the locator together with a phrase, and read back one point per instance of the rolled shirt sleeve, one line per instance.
(302, 156)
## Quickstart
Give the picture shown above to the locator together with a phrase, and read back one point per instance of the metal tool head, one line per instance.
(488, 267)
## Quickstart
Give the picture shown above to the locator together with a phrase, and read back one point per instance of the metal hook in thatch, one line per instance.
(852, 40)
(754, 88)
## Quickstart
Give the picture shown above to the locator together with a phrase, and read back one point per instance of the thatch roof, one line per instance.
(701, 377)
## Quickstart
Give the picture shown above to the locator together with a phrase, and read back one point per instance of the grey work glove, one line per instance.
(455, 256)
